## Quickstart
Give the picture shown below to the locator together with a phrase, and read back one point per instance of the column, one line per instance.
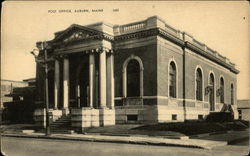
(91, 79)
(102, 64)
(56, 83)
(65, 83)
(110, 81)
(78, 94)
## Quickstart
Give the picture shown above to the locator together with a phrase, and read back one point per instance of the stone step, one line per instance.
(60, 125)
(61, 121)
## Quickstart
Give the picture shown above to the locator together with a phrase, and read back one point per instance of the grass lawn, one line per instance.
(130, 129)
(16, 128)
(195, 127)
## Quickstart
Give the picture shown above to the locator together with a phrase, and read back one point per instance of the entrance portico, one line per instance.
(86, 86)
(83, 76)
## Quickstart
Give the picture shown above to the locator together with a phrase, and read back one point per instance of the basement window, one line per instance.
(132, 117)
(174, 117)
(200, 117)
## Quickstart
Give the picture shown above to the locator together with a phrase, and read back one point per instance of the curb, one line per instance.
(105, 140)
(209, 134)
(238, 140)
(139, 135)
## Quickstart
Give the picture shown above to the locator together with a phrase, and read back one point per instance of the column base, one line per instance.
(65, 111)
(90, 117)
(40, 117)
(107, 116)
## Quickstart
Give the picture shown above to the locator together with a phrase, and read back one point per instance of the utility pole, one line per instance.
(43, 47)
(46, 89)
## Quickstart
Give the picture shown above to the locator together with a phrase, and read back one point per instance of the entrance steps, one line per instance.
(62, 125)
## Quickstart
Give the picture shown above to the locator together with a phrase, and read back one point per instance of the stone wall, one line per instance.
(87, 117)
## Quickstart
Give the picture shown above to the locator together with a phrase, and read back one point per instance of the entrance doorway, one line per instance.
(82, 85)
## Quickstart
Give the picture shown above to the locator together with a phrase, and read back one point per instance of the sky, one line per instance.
(222, 26)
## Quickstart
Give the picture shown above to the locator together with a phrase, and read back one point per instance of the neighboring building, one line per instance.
(20, 107)
(6, 88)
(244, 109)
(141, 72)
(31, 82)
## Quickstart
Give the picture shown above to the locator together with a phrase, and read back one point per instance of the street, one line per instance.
(13, 146)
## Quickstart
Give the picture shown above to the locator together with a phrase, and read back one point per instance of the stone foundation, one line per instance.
(144, 114)
(88, 117)
(40, 116)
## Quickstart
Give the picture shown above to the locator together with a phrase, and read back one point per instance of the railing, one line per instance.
(132, 26)
(231, 63)
(210, 50)
(142, 25)
(199, 44)
(130, 101)
(221, 57)
(171, 30)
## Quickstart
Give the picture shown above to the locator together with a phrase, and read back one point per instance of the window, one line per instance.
(221, 90)
(3, 88)
(172, 80)
(200, 117)
(211, 92)
(132, 117)
(199, 84)
(133, 78)
(240, 114)
(174, 117)
(232, 94)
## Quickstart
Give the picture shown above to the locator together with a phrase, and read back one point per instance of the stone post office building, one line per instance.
(141, 72)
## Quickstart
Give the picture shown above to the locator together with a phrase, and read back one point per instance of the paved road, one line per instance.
(46, 147)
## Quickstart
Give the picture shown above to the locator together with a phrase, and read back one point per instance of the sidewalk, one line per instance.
(195, 143)
(230, 136)
(118, 135)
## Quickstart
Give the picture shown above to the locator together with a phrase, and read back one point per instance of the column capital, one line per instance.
(105, 49)
(99, 50)
(60, 56)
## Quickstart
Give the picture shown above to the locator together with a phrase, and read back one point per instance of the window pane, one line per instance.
(133, 79)
(199, 85)
(172, 80)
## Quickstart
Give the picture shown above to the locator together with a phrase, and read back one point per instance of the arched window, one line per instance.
(211, 93)
(133, 78)
(172, 80)
(232, 94)
(221, 90)
(198, 84)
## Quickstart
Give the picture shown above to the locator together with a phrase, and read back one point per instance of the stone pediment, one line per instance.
(75, 33)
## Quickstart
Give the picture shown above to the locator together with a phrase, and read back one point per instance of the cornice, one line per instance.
(136, 35)
(175, 39)
(76, 41)
(210, 56)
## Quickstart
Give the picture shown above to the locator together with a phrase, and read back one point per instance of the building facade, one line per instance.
(7, 87)
(141, 72)
(20, 106)
(244, 109)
